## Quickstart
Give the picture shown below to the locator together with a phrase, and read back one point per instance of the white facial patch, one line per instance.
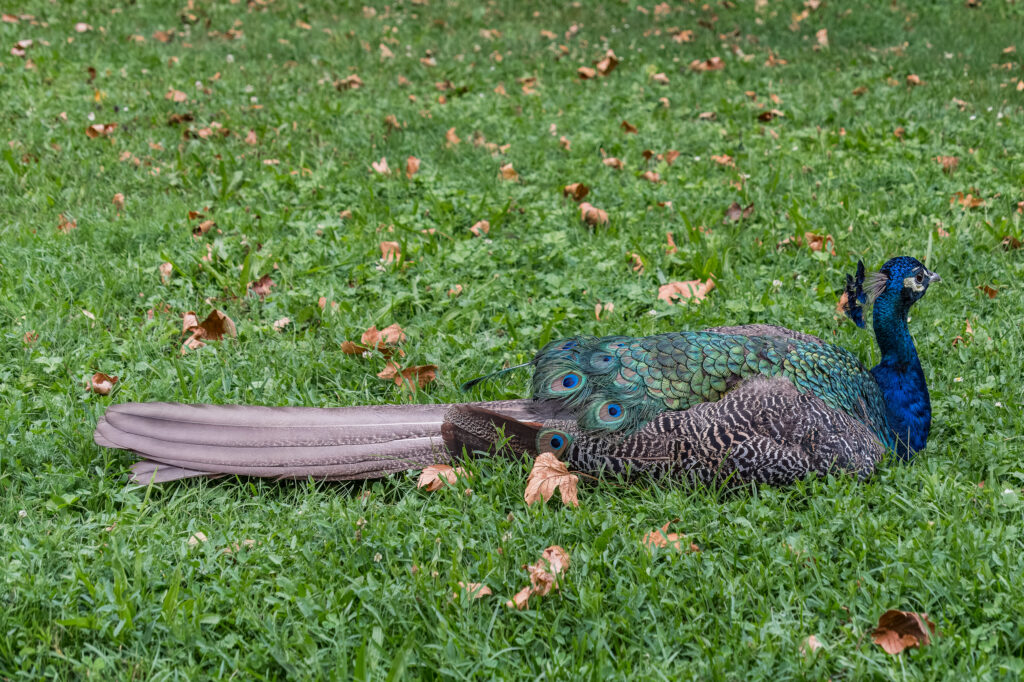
(913, 284)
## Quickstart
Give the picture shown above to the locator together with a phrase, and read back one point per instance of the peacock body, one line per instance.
(757, 403)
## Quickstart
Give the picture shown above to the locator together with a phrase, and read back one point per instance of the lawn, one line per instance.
(244, 146)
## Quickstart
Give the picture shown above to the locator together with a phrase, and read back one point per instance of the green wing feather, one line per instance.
(615, 385)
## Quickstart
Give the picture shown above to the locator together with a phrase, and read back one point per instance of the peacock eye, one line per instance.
(920, 277)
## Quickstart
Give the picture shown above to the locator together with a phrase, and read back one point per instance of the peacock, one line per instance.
(746, 404)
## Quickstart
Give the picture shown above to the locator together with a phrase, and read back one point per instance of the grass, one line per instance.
(99, 580)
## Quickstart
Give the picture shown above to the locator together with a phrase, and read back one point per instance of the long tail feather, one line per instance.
(183, 441)
(473, 382)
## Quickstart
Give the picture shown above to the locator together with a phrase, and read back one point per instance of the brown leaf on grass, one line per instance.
(691, 289)
(507, 172)
(899, 630)
(392, 335)
(629, 128)
(967, 201)
(586, 73)
(413, 377)
(613, 162)
(176, 95)
(724, 160)
(820, 242)
(592, 215)
(437, 476)
(30, 337)
(455, 290)
(100, 129)
(948, 163)
(662, 538)
(774, 60)
(451, 139)
(601, 308)
(261, 287)
(564, 143)
(381, 167)
(859, 90)
(520, 600)
(390, 252)
(577, 190)
(480, 228)
(475, 590)
(548, 475)
(351, 82)
(412, 166)
(671, 244)
(215, 327)
(202, 228)
(101, 383)
(196, 538)
(1010, 243)
(913, 79)
(736, 212)
(669, 157)
(660, 79)
(66, 224)
(899, 133)
(607, 63)
(712, 64)
(118, 201)
(941, 232)
(279, 325)
(651, 176)
(821, 35)
(811, 643)
(769, 115)
(636, 262)
(989, 290)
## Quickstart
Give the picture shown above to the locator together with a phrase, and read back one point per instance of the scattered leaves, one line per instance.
(196, 538)
(451, 139)
(735, 212)
(215, 327)
(607, 64)
(507, 172)
(899, 630)
(481, 228)
(543, 576)
(660, 79)
(613, 162)
(437, 476)
(914, 80)
(100, 129)
(967, 200)
(691, 289)
(662, 538)
(989, 290)
(712, 64)
(577, 190)
(586, 73)
(548, 475)
(413, 377)
(948, 163)
(261, 287)
(101, 383)
(724, 160)
(770, 115)
(1010, 243)
(651, 176)
(279, 325)
(412, 166)
(592, 215)
(118, 201)
(381, 167)
(475, 590)
(810, 645)
(66, 224)
(390, 252)
(629, 127)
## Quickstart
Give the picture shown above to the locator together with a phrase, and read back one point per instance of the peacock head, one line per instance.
(897, 285)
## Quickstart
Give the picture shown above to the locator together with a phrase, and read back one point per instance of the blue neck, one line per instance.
(900, 377)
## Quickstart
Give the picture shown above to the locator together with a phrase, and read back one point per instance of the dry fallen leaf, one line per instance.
(613, 162)
(592, 215)
(601, 308)
(662, 539)
(564, 143)
(543, 576)
(196, 538)
(819, 242)
(475, 590)
(392, 335)
(586, 73)
(822, 37)
(672, 248)
(577, 190)
(669, 157)
(629, 127)
(660, 79)
(480, 228)
(261, 287)
(990, 291)
(66, 224)
(390, 252)
(381, 167)
(279, 325)
(101, 383)
(736, 212)
(690, 289)
(948, 163)
(636, 262)
(176, 95)
(967, 201)
(1010, 243)
(100, 129)
(451, 139)
(215, 327)
(436, 476)
(548, 475)
(118, 201)
(251, 139)
(769, 115)
(607, 64)
(723, 160)
(811, 644)
(913, 79)
(412, 166)
(413, 377)
(507, 172)
(520, 600)
(899, 630)
(651, 176)
(712, 64)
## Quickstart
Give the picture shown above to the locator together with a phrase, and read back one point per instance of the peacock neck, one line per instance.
(901, 379)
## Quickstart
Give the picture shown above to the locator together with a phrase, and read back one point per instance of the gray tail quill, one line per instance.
(178, 441)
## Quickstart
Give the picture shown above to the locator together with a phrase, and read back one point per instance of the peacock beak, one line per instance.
(933, 277)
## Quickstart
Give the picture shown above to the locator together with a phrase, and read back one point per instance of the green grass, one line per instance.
(98, 580)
